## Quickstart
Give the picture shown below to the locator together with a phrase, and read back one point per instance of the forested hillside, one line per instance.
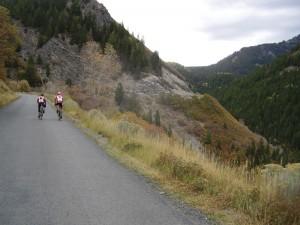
(268, 101)
(63, 18)
(205, 79)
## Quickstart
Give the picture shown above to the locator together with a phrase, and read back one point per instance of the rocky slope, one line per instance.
(67, 62)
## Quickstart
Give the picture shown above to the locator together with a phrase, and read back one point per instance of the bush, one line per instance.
(130, 146)
(13, 85)
(96, 114)
(129, 128)
(71, 105)
(186, 172)
(23, 86)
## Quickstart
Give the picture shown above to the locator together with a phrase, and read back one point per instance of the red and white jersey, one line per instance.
(41, 99)
(59, 98)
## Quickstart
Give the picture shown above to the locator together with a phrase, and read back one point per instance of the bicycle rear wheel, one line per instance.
(59, 113)
(41, 113)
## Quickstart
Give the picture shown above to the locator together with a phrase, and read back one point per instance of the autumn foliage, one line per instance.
(9, 40)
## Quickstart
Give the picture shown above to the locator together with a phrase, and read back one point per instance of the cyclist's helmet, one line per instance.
(58, 93)
(42, 94)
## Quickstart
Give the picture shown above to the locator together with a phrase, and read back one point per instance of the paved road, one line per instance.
(52, 173)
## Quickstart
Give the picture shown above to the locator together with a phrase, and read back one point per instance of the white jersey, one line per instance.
(59, 99)
(41, 99)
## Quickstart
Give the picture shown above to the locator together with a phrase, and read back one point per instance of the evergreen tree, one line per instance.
(47, 68)
(119, 95)
(39, 60)
(157, 118)
(149, 117)
(31, 74)
(218, 146)
(155, 63)
(169, 131)
(207, 139)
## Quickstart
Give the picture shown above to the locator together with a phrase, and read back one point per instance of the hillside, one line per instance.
(240, 63)
(144, 114)
(93, 74)
(268, 101)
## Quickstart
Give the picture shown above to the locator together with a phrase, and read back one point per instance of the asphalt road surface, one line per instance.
(52, 173)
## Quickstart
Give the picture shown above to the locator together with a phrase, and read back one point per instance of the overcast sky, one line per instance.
(202, 32)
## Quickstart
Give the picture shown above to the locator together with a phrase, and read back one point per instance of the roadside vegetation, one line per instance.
(6, 94)
(230, 194)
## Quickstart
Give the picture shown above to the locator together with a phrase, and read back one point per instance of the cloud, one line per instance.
(264, 20)
(268, 4)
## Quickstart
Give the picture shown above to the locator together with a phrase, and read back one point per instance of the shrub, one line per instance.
(23, 86)
(96, 114)
(186, 172)
(13, 85)
(71, 105)
(130, 146)
(129, 128)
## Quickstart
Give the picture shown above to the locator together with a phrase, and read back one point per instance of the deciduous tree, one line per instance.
(9, 40)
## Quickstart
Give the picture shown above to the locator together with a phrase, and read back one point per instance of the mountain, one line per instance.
(240, 63)
(76, 47)
(267, 100)
(247, 59)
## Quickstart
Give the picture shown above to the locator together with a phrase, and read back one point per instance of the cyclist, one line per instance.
(58, 101)
(41, 101)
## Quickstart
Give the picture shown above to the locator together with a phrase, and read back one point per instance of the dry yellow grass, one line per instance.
(229, 194)
(6, 95)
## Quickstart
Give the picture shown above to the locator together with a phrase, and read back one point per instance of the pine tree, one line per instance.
(155, 63)
(169, 131)
(218, 146)
(31, 73)
(119, 94)
(207, 140)
(149, 117)
(157, 118)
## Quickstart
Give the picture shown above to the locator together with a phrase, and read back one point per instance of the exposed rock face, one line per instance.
(154, 85)
(102, 15)
(64, 60)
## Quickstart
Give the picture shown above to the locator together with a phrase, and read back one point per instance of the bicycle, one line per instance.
(41, 112)
(59, 113)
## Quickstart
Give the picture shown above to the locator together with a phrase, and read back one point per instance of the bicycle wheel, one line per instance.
(59, 113)
(41, 112)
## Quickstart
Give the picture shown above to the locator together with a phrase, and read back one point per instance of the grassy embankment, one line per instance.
(232, 195)
(6, 95)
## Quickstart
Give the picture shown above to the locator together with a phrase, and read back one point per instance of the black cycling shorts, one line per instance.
(59, 104)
